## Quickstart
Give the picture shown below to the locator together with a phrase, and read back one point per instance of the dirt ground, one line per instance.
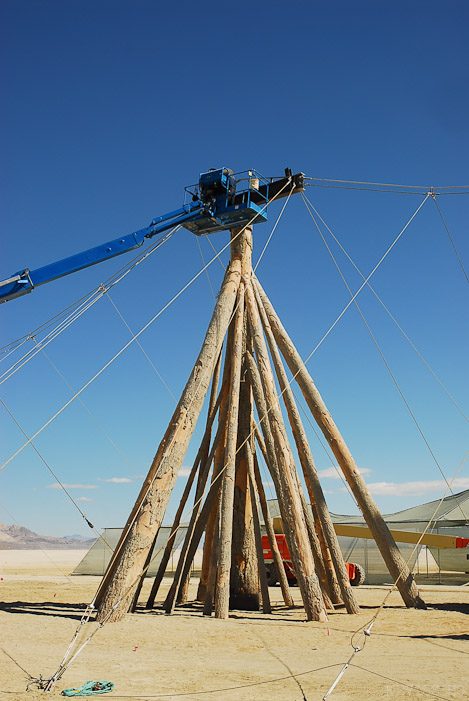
(410, 654)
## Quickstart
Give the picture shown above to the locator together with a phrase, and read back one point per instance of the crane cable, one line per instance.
(366, 630)
(450, 238)
(407, 405)
(387, 310)
(88, 302)
(133, 263)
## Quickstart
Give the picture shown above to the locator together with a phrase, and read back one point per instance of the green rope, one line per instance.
(90, 689)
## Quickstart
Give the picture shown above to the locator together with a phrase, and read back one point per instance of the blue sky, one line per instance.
(112, 108)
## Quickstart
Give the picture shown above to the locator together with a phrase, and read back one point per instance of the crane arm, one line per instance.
(215, 204)
(25, 281)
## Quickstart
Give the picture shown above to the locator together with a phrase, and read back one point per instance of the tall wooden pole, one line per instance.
(119, 582)
(276, 443)
(313, 484)
(244, 576)
(384, 540)
(200, 460)
(222, 591)
(277, 558)
(185, 558)
(266, 606)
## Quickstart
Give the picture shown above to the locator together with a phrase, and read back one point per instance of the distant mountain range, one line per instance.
(20, 538)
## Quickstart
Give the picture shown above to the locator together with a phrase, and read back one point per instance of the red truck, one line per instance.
(355, 572)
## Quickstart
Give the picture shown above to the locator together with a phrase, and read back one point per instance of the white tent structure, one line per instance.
(98, 556)
(451, 518)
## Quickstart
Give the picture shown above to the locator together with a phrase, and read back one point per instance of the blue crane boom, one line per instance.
(219, 201)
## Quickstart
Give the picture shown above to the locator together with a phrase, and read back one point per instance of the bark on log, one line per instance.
(277, 558)
(384, 540)
(266, 605)
(119, 582)
(222, 591)
(313, 539)
(200, 459)
(339, 577)
(212, 572)
(187, 554)
(288, 497)
(244, 575)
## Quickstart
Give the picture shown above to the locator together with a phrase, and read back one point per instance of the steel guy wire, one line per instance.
(90, 300)
(308, 202)
(363, 182)
(44, 551)
(451, 239)
(132, 263)
(90, 413)
(30, 442)
(388, 368)
(366, 630)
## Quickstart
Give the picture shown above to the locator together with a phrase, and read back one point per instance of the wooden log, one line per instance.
(384, 540)
(201, 458)
(185, 559)
(207, 550)
(244, 574)
(326, 555)
(214, 403)
(289, 502)
(337, 575)
(222, 591)
(266, 605)
(212, 572)
(119, 582)
(184, 564)
(277, 558)
(316, 551)
(313, 539)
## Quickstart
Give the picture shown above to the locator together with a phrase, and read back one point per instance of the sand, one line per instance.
(248, 657)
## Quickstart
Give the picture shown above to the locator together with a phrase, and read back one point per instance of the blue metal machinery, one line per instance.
(221, 200)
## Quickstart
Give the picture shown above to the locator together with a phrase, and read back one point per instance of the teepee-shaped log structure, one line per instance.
(229, 494)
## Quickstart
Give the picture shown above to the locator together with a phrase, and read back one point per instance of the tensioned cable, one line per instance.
(386, 309)
(82, 514)
(90, 413)
(366, 630)
(150, 362)
(367, 189)
(450, 238)
(364, 182)
(148, 251)
(316, 433)
(383, 257)
(414, 418)
(39, 547)
(144, 328)
(273, 230)
(97, 294)
(207, 237)
(203, 263)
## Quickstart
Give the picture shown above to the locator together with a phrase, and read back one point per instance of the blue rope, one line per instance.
(89, 689)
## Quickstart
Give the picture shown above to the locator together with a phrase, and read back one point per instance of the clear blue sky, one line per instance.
(110, 108)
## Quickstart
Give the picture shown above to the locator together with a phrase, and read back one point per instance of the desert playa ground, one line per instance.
(410, 654)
